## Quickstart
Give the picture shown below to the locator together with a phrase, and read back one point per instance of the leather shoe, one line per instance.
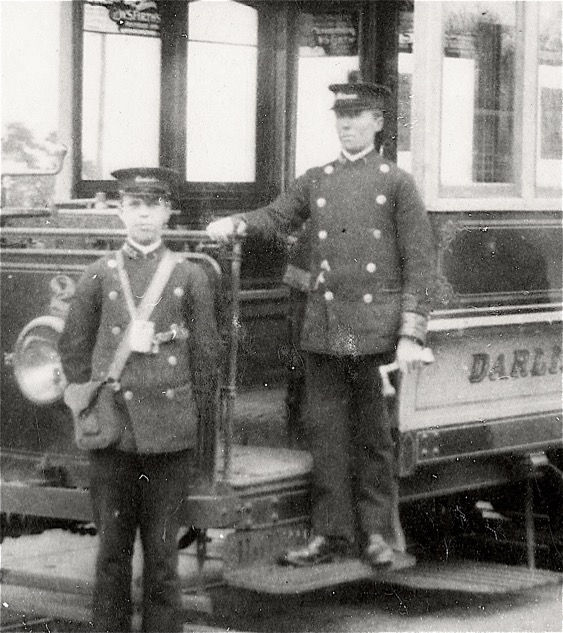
(378, 553)
(320, 549)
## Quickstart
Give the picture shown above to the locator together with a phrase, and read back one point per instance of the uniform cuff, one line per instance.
(413, 325)
(297, 278)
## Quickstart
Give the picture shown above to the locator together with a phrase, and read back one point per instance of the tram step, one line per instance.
(457, 576)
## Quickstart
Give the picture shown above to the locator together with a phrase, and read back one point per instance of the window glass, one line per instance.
(550, 105)
(121, 89)
(404, 88)
(328, 51)
(478, 79)
(221, 85)
(30, 89)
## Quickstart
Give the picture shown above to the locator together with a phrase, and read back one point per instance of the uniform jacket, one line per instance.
(372, 254)
(160, 391)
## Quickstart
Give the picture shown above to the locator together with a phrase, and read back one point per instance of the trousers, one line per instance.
(133, 492)
(348, 430)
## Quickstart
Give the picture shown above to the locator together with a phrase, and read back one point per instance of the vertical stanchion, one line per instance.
(229, 388)
(530, 526)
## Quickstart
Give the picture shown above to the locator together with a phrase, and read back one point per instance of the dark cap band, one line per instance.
(147, 181)
(358, 96)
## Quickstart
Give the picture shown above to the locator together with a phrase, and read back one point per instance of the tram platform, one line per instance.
(52, 574)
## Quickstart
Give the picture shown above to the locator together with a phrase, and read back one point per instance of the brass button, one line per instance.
(384, 169)
(179, 292)
(381, 199)
(323, 234)
(329, 169)
(329, 296)
(368, 298)
(113, 295)
(321, 202)
(172, 360)
(116, 330)
(377, 234)
(128, 395)
(170, 394)
(112, 263)
(371, 267)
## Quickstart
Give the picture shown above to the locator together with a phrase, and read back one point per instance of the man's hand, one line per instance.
(225, 229)
(410, 355)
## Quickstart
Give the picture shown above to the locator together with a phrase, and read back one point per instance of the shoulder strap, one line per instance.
(150, 300)
(156, 287)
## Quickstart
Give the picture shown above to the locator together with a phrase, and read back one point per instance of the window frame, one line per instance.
(522, 194)
(203, 198)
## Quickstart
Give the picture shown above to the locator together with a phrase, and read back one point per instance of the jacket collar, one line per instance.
(133, 250)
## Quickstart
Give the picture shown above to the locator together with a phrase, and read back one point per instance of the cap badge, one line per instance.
(145, 179)
(347, 96)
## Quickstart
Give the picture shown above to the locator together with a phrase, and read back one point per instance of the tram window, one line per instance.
(404, 88)
(328, 51)
(221, 78)
(120, 95)
(481, 46)
(30, 98)
(549, 98)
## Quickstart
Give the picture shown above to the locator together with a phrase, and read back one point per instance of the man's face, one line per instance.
(144, 218)
(356, 129)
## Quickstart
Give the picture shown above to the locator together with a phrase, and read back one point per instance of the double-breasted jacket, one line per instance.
(372, 254)
(158, 399)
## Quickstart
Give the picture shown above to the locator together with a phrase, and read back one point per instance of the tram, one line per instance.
(233, 95)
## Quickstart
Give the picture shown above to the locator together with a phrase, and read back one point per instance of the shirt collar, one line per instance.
(145, 250)
(354, 157)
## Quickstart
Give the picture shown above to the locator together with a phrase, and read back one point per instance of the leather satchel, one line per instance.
(97, 423)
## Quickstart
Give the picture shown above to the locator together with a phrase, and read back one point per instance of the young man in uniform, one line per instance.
(139, 481)
(371, 268)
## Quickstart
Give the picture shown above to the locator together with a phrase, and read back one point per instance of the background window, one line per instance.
(221, 86)
(550, 105)
(328, 51)
(120, 90)
(30, 99)
(404, 89)
(478, 78)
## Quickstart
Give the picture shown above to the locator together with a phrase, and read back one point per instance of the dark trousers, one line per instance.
(130, 492)
(349, 436)
(295, 398)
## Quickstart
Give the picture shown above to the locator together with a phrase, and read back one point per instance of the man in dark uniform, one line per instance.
(371, 266)
(140, 480)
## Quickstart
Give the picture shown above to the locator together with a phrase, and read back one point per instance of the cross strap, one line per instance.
(144, 309)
